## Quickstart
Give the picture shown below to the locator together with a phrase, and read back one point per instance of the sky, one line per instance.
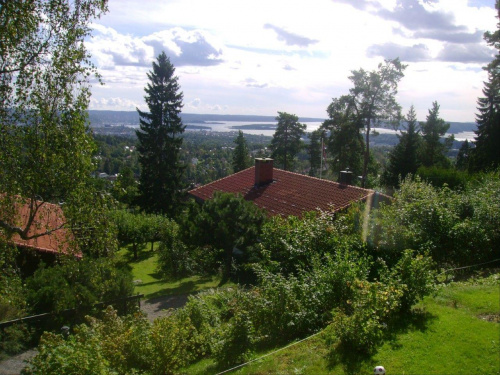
(258, 57)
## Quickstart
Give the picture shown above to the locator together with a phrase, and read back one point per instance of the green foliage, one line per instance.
(463, 160)
(374, 99)
(137, 228)
(292, 244)
(433, 151)
(287, 142)
(175, 343)
(403, 158)
(439, 177)
(315, 151)
(160, 142)
(174, 257)
(112, 345)
(415, 276)
(241, 160)
(116, 153)
(125, 189)
(77, 284)
(88, 217)
(486, 155)
(455, 227)
(345, 143)
(234, 343)
(224, 222)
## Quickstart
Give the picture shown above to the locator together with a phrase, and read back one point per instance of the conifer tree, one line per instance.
(315, 151)
(160, 141)
(241, 160)
(403, 158)
(486, 155)
(286, 142)
(463, 157)
(345, 143)
(433, 151)
(487, 151)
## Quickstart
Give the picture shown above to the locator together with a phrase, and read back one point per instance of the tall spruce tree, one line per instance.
(241, 160)
(315, 151)
(433, 151)
(160, 141)
(403, 158)
(286, 142)
(486, 155)
(462, 162)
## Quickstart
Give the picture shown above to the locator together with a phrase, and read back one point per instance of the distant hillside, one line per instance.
(101, 118)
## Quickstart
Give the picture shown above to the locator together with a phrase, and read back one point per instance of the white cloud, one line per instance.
(228, 60)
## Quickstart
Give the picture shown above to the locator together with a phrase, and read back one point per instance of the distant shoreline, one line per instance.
(255, 127)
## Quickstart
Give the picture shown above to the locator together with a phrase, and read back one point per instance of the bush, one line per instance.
(102, 347)
(415, 276)
(175, 343)
(290, 245)
(459, 228)
(359, 328)
(174, 258)
(235, 341)
(77, 284)
(439, 177)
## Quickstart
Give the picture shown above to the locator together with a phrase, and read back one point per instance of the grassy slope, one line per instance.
(446, 335)
(151, 282)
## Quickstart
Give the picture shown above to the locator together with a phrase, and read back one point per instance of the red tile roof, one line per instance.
(49, 218)
(289, 193)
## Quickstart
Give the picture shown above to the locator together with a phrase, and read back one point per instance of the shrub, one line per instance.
(98, 348)
(454, 227)
(292, 244)
(175, 343)
(174, 258)
(359, 327)
(77, 284)
(235, 341)
(415, 276)
(439, 177)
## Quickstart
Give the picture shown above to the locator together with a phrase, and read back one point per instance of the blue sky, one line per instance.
(264, 56)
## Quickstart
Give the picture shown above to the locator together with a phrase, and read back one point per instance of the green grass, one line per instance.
(447, 334)
(151, 283)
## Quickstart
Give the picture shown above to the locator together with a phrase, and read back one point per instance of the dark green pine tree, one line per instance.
(241, 160)
(487, 152)
(160, 141)
(433, 150)
(403, 159)
(345, 143)
(287, 142)
(462, 162)
(315, 152)
(486, 155)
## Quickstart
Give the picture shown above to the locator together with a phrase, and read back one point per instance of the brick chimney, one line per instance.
(263, 171)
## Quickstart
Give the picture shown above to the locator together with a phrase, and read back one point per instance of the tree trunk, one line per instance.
(367, 154)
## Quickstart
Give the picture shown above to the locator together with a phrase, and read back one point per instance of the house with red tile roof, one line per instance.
(286, 193)
(46, 236)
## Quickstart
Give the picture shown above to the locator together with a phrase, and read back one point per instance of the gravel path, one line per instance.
(157, 307)
(153, 308)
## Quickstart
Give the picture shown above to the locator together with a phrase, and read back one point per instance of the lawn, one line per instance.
(457, 331)
(151, 283)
